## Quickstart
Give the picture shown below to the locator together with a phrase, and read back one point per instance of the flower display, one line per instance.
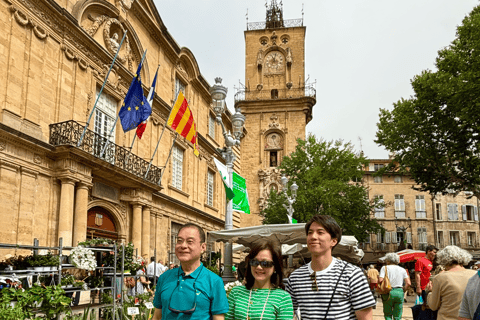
(229, 286)
(83, 258)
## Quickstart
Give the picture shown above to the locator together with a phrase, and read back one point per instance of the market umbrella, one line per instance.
(408, 255)
(285, 234)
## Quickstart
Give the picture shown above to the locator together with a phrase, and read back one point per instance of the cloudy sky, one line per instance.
(362, 54)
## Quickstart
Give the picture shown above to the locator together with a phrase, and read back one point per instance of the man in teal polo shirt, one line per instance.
(190, 291)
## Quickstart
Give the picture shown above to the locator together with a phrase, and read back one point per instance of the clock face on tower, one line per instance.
(274, 62)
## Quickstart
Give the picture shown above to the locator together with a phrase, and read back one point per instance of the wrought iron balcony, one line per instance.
(275, 24)
(69, 133)
(250, 95)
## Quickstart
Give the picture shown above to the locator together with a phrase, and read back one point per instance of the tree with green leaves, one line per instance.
(435, 133)
(329, 177)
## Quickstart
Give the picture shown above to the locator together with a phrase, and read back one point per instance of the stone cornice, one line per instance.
(204, 214)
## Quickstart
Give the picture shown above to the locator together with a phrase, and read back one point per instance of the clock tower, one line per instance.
(276, 101)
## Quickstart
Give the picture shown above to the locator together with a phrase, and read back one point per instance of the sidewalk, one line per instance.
(407, 311)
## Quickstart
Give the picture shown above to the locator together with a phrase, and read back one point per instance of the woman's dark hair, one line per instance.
(330, 225)
(277, 277)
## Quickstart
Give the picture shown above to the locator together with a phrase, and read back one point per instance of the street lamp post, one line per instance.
(219, 93)
(290, 200)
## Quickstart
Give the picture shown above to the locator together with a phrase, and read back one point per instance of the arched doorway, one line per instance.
(100, 224)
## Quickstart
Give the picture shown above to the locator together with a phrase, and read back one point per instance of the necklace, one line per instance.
(264, 306)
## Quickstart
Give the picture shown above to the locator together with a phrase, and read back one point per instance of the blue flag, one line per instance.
(135, 108)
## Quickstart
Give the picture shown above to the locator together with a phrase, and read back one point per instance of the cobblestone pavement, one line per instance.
(407, 312)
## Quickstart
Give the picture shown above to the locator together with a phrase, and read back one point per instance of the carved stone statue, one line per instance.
(114, 42)
(289, 56)
(260, 57)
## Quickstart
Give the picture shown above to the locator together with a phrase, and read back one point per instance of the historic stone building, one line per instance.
(55, 55)
(276, 101)
(416, 219)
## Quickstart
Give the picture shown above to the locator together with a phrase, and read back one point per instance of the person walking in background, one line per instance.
(262, 296)
(372, 275)
(190, 291)
(400, 281)
(328, 288)
(446, 289)
(423, 266)
(471, 299)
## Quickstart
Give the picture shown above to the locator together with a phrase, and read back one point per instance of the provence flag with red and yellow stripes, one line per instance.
(181, 120)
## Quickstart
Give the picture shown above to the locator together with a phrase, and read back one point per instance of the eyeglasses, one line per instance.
(313, 276)
(265, 264)
(192, 309)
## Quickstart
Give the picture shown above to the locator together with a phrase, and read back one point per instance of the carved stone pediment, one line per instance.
(269, 180)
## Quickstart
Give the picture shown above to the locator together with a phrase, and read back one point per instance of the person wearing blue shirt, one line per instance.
(190, 291)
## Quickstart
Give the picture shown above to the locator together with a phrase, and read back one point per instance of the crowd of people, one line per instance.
(325, 288)
(445, 288)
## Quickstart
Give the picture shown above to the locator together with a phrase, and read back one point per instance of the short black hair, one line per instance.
(152, 259)
(330, 225)
(430, 247)
(193, 225)
(277, 277)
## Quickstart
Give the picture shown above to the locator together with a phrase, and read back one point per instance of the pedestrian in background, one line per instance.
(400, 281)
(423, 266)
(446, 290)
(372, 275)
(471, 299)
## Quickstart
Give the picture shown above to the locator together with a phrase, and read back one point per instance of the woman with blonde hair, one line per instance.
(393, 302)
(446, 289)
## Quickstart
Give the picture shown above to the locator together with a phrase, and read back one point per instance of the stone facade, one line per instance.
(421, 219)
(55, 57)
(277, 104)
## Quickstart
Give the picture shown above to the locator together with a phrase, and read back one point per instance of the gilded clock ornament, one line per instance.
(274, 61)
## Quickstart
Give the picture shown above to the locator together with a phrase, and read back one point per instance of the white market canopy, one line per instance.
(292, 237)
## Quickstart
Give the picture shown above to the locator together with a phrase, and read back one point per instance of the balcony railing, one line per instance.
(275, 24)
(250, 95)
(69, 133)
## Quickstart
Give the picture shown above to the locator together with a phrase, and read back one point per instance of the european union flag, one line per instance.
(135, 108)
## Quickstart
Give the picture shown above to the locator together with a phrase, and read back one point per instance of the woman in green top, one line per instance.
(262, 297)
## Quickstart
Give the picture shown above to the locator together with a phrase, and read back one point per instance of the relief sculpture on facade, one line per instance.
(269, 180)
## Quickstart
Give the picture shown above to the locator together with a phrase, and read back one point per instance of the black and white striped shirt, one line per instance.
(352, 293)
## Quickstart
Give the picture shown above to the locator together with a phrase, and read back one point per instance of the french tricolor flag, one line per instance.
(142, 126)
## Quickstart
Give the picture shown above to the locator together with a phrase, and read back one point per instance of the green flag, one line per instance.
(222, 169)
(240, 201)
(294, 221)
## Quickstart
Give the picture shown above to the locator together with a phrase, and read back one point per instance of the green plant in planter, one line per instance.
(95, 282)
(54, 302)
(67, 279)
(50, 260)
(99, 242)
(18, 262)
(128, 261)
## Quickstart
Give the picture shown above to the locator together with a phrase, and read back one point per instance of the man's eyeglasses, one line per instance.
(265, 264)
(192, 309)
(313, 276)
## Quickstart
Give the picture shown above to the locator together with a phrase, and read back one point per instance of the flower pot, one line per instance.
(38, 268)
(30, 268)
(53, 268)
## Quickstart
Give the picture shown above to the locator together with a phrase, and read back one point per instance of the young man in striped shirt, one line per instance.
(328, 288)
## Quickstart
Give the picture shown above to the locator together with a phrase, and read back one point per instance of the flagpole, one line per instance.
(151, 105)
(168, 158)
(118, 115)
(158, 142)
(101, 90)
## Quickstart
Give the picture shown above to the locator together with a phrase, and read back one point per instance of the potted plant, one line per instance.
(51, 261)
(67, 281)
(83, 258)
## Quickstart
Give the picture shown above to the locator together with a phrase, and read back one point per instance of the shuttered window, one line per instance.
(420, 207)
(210, 179)
(177, 167)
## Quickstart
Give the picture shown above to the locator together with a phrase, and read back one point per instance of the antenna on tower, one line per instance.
(246, 16)
(302, 11)
(361, 147)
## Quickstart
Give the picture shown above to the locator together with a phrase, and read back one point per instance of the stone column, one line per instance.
(137, 226)
(65, 216)
(160, 242)
(146, 233)
(81, 214)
